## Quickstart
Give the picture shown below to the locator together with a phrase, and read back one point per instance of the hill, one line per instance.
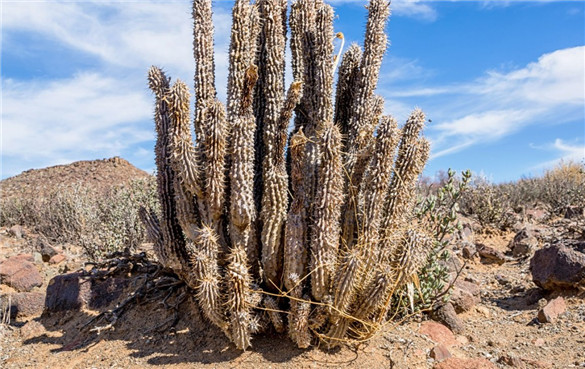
(98, 175)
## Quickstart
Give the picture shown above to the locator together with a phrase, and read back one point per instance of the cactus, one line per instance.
(323, 230)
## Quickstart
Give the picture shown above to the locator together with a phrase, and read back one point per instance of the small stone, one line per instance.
(56, 259)
(464, 296)
(438, 333)
(47, 251)
(469, 251)
(447, 315)
(539, 342)
(16, 231)
(440, 353)
(489, 255)
(552, 310)
(512, 361)
(462, 340)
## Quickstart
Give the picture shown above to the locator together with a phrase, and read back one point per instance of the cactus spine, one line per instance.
(348, 239)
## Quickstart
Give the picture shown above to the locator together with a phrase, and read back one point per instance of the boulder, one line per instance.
(558, 267)
(16, 231)
(23, 304)
(552, 310)
(46, 250)
(19, 273)
(56, 259)
(489, 255)
(75, 291)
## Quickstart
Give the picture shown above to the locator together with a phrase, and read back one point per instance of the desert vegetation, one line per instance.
(298, 210)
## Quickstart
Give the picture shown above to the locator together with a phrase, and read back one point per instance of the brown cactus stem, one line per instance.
(295, 233)
(204, 261)
(327, 210)
(407, 168)
(274, 314)
(374, 47)
(274, 177)
(298, 323)
(204, 59)
(214, 145)
(346, 89)
(242, 214)
(365, 141)
(183, 160)
(172, 235)
(153, 231)
(238, 287)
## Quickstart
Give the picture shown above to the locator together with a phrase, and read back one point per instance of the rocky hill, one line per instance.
(95, 174)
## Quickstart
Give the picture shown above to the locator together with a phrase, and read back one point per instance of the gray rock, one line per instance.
(23, 304)
(446, 315)
(558, 267)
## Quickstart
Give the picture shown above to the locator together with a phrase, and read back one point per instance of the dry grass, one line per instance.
(100, 222)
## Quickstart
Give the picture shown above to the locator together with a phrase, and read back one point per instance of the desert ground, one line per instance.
(59, 311)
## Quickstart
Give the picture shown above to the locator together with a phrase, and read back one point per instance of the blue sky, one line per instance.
(502, 81)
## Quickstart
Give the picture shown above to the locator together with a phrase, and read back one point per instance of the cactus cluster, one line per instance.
(309, 230)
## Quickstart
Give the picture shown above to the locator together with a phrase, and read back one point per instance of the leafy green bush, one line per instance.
(437, 214)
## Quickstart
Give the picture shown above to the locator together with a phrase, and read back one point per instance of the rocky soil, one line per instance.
(518, 302)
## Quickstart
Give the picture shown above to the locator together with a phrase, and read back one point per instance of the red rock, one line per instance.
(552, 310)
(539, 342)
(438, 333)
(440, 353)
(20, 274)
(56, 259)
(459, 363)
(23, 304)
(26, 257)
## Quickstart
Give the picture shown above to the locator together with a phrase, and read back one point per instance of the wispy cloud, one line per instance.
(547, 91)
(565, 152)
(47, 122)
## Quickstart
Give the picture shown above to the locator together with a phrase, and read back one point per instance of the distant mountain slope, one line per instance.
(98, 175)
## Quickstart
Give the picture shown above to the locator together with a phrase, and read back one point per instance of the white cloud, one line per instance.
(548, 91)
(45, 123)
(565, 152)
